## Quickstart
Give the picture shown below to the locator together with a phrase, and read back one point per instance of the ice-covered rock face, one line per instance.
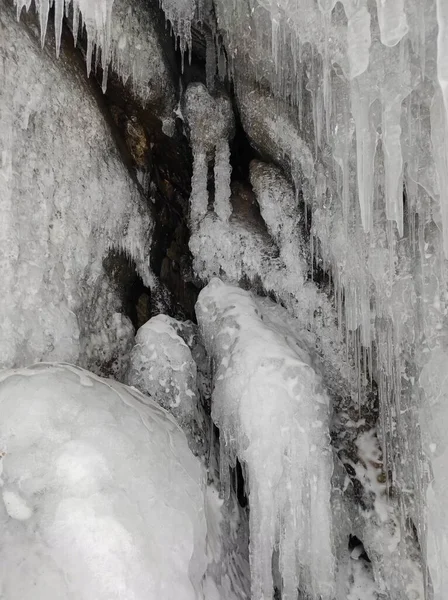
(353, 105)
(66, 199)
(161, 366)
(100, 496)
(125, 35)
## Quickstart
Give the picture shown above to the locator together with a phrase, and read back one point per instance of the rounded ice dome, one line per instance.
(100, 496)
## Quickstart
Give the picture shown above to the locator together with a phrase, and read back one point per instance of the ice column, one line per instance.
(210, 120)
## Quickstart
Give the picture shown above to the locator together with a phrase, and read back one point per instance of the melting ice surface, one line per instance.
(100, 496)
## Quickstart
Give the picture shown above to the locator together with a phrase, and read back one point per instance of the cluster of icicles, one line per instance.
(96, 17)
(369, 80)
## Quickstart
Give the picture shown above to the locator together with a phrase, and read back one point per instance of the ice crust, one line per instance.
(273, 415)
(66, 201)
(100, 495)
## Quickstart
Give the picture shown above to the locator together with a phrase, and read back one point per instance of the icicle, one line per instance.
(392, 21)
(365, 152)
(58, 19)
(222, 180)
(442, 76)
(393, 163)
(76, 19)
(358, 37)
(43, 8)
(89, 55)
(439, 134)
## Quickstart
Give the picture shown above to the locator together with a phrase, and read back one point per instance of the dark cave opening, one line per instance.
(135, 297)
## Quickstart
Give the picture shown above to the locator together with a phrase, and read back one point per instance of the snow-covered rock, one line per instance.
(100, 497)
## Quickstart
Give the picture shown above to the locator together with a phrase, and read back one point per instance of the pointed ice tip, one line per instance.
(105, 76)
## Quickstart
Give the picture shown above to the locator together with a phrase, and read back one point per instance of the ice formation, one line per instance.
(100, 495)
(64, 205)
(350, 99)
(362, 86)
(121, 36)
(162, 367)
(211, 123)
(242, 249)
(273, 415)
(136, 55)
(96, 18)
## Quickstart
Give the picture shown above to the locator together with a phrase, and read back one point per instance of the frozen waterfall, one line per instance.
(272, 176)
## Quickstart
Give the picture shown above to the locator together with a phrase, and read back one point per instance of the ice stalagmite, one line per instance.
(161, 366)
(273, 415)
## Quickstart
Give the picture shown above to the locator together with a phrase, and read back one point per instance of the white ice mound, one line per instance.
(100, 497)
(273, 415)
(162, 367)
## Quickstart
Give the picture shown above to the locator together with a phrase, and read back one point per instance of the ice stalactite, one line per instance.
(273, 415)
(180, 13)
(210, 120)
(95, 16)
